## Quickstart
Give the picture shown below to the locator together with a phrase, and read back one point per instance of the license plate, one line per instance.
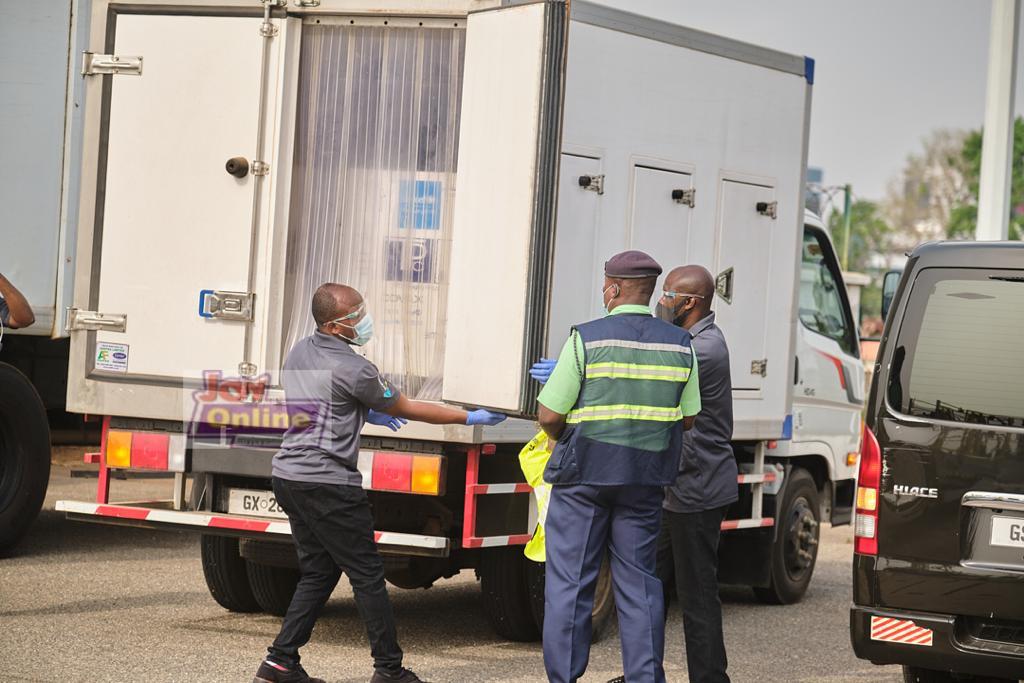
(253, 502)
(1008, 532)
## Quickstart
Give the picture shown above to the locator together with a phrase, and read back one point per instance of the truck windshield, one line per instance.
(957, 357)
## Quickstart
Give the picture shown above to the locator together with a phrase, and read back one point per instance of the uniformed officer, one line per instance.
(617, 400)
(696, 503)
(317, 483)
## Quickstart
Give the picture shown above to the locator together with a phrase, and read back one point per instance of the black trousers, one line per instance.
(333, 530)
(688, 559)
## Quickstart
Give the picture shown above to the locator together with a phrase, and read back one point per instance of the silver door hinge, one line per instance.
(688, 197)
(275, 3)
(94, 320)
(723, 285)
(759, 367)
(226, 305)
(770, 209)
(247, 369)
(594, 183)
(268, 30)
(259, 168)
(307, 3)
(99, 65)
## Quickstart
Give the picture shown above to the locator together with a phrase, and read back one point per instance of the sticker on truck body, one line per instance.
(903, 631)
(112, 357)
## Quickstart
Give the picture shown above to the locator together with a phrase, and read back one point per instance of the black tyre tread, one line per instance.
(914, 674)
(505, 593)
(225, 574)
(781, 591)
(273, 587)
(26, 441)
(601, 620)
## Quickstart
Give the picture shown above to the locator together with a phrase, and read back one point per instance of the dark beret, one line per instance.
(631, 264)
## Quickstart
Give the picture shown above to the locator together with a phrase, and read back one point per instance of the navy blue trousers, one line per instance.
(583, 523)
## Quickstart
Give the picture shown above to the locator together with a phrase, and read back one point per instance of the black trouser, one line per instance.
(333, 530)
(688, 553)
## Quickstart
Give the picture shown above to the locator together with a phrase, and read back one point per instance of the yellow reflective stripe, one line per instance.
(671, 373)
(624, 412)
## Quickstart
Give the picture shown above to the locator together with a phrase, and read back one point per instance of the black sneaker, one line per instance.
(403, 676)
(272, 672)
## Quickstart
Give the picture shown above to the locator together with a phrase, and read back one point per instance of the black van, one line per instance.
(938, 570)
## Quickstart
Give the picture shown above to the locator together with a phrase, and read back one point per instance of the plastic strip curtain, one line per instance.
(373, 187)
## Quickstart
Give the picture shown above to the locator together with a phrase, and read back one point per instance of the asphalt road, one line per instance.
(85, 602)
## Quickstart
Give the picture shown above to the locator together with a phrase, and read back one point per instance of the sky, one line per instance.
(887, 72)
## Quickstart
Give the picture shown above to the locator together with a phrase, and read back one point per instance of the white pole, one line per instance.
(997, 144)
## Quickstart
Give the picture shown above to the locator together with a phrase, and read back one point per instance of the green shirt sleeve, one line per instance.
(563, 387)
(690, 403)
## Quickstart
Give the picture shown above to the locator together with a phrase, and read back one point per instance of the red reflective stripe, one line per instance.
(839, 367)
(240, 524)
(122, 512)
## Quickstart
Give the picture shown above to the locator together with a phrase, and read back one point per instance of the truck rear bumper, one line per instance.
(160, 515)
(931, 641)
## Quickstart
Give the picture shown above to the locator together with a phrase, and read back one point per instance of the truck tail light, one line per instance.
(407, 473)
(145, 450)
(865, 526)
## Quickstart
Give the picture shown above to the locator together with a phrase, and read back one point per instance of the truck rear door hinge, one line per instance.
(99, 65)
(770, 209)
(94, 320)
(759, 367)
(259, 168)
(687, 197)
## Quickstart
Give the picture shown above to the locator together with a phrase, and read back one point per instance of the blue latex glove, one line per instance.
(484, 417)
(541, 370)
(385, 420)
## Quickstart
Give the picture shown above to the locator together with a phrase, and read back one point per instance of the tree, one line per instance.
(870, 234)
(964, 217)
(929, 189)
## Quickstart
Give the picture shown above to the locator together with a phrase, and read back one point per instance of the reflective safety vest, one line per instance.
(532, 460)
(626, 426)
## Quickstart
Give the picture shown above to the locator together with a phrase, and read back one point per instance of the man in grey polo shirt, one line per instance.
(317, 483)
(696, 504)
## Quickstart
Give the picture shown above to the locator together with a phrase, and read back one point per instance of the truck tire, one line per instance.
(795, 550)
(603, 614)
(505, 592)
(273, 587)
(914, 674)
(24, 455)
(226, 578)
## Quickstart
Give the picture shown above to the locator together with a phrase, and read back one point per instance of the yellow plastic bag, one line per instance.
(533, 459)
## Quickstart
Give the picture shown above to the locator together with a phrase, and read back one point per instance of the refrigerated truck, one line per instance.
(468, 165)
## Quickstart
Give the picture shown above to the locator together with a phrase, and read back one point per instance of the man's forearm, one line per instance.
(551, 422)
(431, 413)
(20, 312)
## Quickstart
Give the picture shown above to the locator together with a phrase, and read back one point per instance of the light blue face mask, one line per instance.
(363, 328)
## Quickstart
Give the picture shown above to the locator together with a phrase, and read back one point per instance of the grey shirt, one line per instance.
(707, 477)
(5, 312)
(328, 381)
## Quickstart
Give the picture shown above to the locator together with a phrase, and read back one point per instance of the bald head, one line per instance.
(332, 301)
(696, 282)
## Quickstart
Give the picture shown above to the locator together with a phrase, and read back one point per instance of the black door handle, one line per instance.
(237, 166)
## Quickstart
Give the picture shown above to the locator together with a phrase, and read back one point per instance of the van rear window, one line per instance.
(960, 352)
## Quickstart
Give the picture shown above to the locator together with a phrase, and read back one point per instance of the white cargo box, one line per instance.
(468, 166)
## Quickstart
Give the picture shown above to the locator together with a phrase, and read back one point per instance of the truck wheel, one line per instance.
(24, 455)
(273, 587)
(913, 674)
(505, 592)
(796, 541)
(225, 574)
(603, 614)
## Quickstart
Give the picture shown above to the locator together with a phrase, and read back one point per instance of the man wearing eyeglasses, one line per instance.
(316, 481)
(696, 503)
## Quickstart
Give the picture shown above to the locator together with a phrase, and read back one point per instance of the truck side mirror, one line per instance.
(889, 284)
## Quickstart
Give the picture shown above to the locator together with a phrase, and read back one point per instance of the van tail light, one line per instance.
(865, 526)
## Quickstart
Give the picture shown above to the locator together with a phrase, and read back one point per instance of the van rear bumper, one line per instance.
(891, 642)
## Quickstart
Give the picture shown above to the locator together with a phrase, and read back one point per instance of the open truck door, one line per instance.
(174, 262)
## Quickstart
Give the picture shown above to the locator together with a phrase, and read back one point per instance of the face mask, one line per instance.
(604, 306)
(363, 328)
(665, 313)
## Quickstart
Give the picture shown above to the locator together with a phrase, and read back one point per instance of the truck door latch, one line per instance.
(99, 65)
(226, 305)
